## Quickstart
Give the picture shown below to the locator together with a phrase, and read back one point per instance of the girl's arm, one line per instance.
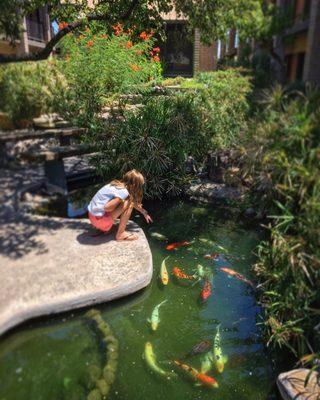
(143, 212)
(112, 204)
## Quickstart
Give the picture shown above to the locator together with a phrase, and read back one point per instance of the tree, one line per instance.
(212, 17)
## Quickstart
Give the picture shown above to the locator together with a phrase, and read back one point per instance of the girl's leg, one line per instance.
(124, 212)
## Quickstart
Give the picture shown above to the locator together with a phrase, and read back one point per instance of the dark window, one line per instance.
(177, 51)
(306, 9)
(288, 61)
(300, 65)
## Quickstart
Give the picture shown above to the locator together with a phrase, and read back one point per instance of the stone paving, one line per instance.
(49, 265)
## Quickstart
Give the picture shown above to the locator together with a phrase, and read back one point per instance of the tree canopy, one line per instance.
(213, 17)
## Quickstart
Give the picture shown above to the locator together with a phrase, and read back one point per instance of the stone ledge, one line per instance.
(209, 192)
(291, 385)
(50, 265)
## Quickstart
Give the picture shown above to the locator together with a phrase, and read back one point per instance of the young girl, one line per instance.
(116, 200)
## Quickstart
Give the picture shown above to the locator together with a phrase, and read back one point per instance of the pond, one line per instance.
(53, 358)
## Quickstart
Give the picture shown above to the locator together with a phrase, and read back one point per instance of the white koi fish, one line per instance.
(207, 362)
(155, 320)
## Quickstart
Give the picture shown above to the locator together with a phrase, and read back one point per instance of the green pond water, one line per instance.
(51, 359)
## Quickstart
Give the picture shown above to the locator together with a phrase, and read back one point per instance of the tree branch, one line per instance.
(47, 50)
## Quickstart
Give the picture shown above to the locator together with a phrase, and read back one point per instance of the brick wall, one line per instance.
(196, 51)
(207, 57)
(204, 57)
(312, 63)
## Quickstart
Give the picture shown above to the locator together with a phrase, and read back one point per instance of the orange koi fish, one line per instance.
(178, 273)
(176, 245)
(237, 275)
(204, 379)
(206, 291)
(213, 256)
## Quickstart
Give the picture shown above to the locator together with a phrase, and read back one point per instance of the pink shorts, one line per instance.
(103, 223)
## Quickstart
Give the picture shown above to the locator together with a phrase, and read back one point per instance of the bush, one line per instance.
(27, 89)
(156, 141)
(225, 103)
(284, 160)
(98, 65)
(158, 138)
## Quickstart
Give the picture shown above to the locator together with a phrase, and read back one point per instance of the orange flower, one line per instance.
(144, 36)
(156, 49)
(117, 29)
(139, 52)
(62, 25)
(90, 43)
(134, 67)
(87, 29)
(129, 44)
(104, 36)
(156, 58)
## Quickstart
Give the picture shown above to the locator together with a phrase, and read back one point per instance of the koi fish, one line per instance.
(178, 273)
(207, 362)
(164, 272)
(150, 358)
(158, 236)
(206, 291)
(218, 358)
(176, 245)
(213, 256)
(207, 241)
(237, 275)
(200, 348)
(155, 320)
(202, 273)
(204, 379)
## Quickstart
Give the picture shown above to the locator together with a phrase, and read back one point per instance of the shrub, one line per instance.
(98, 65)
(156, 141)
(27, 89)
(225, 103)
(284, 160)
(158, 138)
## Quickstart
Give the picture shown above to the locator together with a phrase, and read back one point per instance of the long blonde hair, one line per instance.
(133, 181)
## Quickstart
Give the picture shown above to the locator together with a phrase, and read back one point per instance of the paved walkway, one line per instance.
(48, 265)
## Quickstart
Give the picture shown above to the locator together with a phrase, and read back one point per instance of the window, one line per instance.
(306, 9)
(300, 66)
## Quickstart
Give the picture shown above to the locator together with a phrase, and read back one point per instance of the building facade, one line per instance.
(300, 48)
(37, 32)
(183, 54)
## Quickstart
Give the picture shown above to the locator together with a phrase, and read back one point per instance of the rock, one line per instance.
(5, 122)
(292, 385)
(94, 395)
(73, 267)
(249, 212)
(210, 192)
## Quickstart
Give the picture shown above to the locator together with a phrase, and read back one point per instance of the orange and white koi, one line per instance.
(178, 273)
(164, 272)
(237, 275)
(176, 245)
(204, 379)
(213, 256)
(206, 291)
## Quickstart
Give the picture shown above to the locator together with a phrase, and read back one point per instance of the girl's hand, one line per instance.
(147, 218)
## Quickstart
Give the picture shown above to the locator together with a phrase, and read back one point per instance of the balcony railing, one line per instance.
(35, 30)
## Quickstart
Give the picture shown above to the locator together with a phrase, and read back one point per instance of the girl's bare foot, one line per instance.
(126, 236)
